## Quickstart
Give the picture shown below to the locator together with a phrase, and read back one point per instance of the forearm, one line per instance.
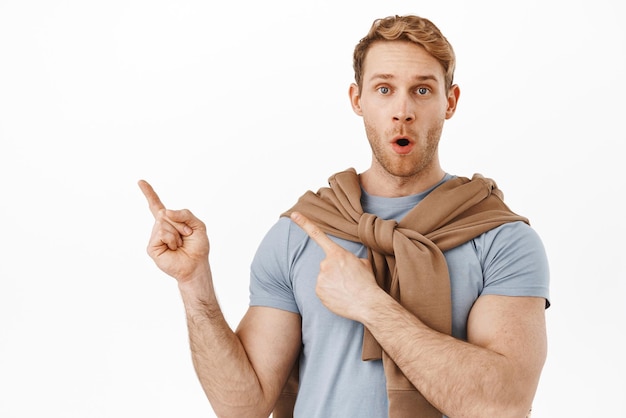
(459, 378)
(219, 358)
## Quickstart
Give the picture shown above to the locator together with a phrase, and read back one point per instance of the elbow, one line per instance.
(248, 409)
(224, 411)
(515, 399)
(513, 403)
(493, 411)
(511, 407)
(517, 412)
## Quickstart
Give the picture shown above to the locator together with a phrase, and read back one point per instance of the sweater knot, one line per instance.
(377, 233)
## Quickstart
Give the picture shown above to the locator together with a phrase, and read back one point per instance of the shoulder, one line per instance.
(283, 236)
(514, 259)
(270, 272)
(512, 236)
(283, 244)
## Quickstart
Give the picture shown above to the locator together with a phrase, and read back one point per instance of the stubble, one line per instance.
(405, 166)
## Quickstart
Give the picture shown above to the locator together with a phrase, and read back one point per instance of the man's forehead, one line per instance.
(393, 59)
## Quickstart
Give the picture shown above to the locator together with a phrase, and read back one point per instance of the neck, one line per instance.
(381, 183)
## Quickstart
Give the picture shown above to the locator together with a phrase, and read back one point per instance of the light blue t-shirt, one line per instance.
(334, 381)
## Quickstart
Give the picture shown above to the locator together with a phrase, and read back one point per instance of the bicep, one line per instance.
(272, 340)
(514, 327)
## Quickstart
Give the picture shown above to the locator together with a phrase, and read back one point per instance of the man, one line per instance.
(402, 291)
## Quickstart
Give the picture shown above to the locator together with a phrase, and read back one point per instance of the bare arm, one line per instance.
(241, 373)
(494, 374)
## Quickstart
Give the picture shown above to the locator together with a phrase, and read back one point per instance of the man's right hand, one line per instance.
(242, 373)
(179, 244)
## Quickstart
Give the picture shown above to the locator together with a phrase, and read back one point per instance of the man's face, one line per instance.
(404, 104)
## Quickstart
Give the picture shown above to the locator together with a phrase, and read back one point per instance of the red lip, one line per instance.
(402, 144)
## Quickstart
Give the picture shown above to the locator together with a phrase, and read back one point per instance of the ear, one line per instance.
(453, 99)
(355, 99)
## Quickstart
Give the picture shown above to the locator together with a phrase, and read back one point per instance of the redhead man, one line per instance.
(401, 291)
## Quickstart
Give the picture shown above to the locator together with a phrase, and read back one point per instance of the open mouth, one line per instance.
(402, 145)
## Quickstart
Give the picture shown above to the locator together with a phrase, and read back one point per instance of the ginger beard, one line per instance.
(409, 165)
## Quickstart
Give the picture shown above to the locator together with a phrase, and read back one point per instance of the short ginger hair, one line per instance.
(410, 28)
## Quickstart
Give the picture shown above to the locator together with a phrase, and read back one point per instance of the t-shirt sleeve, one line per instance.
(270, 281)
(514, 262)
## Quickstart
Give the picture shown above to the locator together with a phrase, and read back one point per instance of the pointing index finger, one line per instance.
(314, 232)
(154, 202)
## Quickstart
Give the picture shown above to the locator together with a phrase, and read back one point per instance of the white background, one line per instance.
(234, 109)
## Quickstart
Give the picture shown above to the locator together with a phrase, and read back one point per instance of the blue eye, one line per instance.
(422, 91)
(383, 90)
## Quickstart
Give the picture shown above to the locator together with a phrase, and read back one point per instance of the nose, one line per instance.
(404, 109)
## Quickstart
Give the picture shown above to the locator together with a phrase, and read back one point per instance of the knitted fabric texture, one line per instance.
(407, 260)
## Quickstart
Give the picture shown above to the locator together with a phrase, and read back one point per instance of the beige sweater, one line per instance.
(407, 260)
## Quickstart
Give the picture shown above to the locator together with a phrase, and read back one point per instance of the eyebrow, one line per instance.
(385, 76)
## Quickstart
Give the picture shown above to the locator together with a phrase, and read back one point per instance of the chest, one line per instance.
(466, 282)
